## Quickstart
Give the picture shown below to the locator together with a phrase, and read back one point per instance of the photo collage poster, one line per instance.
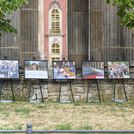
(9, 69)
(36, 69)
(118, 70)
(64, 70)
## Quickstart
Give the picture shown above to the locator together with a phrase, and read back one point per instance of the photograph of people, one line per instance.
(9, 69)
(92, 70)
(36, 69)
(118, 70)
(64, 70)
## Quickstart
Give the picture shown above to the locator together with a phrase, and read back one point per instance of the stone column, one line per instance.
(41, 29)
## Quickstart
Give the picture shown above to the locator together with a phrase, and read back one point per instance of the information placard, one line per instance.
(36, 69)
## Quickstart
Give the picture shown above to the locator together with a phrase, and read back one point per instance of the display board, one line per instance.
(64, 70)
(92, 70)
(118, 70)
(9, 69)
(36, 69)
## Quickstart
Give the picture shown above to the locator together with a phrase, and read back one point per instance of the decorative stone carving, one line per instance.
(54, 5)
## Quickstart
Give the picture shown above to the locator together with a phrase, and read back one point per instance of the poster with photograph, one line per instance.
(64, 70)
(36, 69)
(118, 70)
(92, 70)
(9, 69)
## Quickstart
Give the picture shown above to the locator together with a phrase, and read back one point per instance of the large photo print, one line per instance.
(92, 70)
(36, 69)
(64, 70)
(9, 69)
(119, 70)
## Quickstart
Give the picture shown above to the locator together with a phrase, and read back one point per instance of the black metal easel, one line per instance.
(12, 90)
(5, 58)
(29, 94)
(70, 89)
(92, 59)
(30, 85)
(123, 88)
(1, 88)
(41, 90)
(97, 89)
(29, 91)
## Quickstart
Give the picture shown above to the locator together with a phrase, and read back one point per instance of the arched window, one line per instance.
(55, 52)
(55, 22)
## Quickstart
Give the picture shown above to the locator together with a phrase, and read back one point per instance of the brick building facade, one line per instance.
(55, 30)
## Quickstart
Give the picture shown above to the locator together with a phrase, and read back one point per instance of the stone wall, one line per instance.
(50, 89)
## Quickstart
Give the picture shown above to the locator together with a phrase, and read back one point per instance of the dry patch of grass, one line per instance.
(95, 116)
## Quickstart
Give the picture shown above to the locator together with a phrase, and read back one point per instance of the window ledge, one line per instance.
(62, 34)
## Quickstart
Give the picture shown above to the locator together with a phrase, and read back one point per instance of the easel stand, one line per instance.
(70, 90)
(98, 92)
(29, 94)
(123, 89)
(7, 101)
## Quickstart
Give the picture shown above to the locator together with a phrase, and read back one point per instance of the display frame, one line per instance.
(92, 78)
(18, 69)
(37, 78)
(119, 78)
(65, 61)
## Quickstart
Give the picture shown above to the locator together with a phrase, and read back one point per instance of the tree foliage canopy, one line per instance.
(6, 8)
(125, 12)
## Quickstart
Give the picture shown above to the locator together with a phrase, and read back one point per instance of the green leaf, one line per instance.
(125, 11)
(7, 7)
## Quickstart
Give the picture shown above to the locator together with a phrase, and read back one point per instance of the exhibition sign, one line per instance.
(118, 70)
(64, 70)
(92, 70)
(36, 69)
(9, 69)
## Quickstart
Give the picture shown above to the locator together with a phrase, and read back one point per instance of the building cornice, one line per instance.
(55, 34)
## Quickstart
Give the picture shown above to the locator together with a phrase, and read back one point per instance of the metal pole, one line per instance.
(98, 90)
(114, 88)
(13, 131)
(30, 131)
(29, 91)
(41, 91)
(60, 91)
(12, 90)
(1, 89)
(124, 90)
(71, 90)
(83, 131)
(29, 128)
(87, 91)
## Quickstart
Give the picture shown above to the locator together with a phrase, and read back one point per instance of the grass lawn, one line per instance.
(72, 116)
